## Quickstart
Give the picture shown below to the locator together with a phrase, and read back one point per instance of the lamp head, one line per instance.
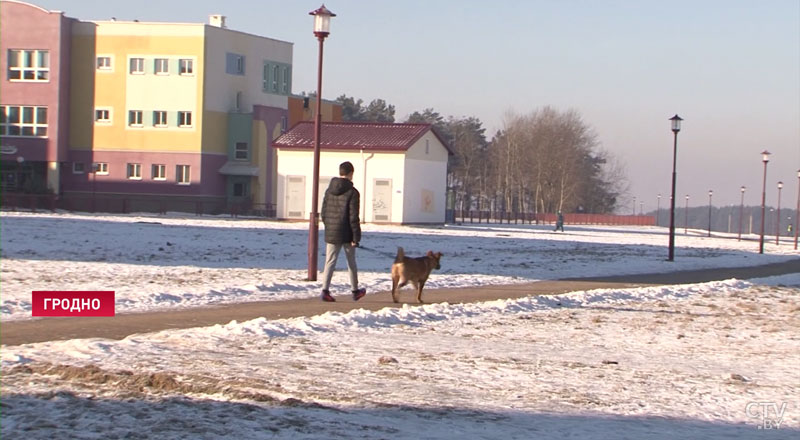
(676, 123)
(322, 21)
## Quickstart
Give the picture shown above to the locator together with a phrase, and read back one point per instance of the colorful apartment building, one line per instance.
(172, 111)
(34, 96)
(162, 115)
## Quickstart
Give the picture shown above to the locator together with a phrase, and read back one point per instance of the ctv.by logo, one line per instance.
(763, 411)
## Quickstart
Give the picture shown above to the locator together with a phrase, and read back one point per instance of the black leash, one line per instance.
(385, 254)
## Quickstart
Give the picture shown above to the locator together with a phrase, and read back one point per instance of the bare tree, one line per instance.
(549, 161)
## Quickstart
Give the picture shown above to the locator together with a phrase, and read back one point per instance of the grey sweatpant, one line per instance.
(331, 256)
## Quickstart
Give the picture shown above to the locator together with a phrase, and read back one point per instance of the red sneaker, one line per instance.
(326, 296)
(358, 294)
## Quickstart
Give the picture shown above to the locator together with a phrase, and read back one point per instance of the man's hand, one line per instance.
(354, 244)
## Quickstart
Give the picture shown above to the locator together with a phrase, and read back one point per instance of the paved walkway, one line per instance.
(120, 326)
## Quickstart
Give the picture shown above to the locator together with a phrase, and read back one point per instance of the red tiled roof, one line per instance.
(368, 136)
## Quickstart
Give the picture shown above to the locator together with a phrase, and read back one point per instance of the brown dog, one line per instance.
(414, 270)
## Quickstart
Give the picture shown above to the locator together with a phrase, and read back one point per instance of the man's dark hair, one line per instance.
(345, 168)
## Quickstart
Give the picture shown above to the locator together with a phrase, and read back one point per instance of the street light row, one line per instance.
(676, 127)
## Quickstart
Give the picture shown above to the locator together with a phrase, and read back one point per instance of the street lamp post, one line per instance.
(765, 158)
(797, 212)
(18, 179)
(741, 212)
(634, 206)
(710, 193)
(686, 217)
(778, 217)
(95, 166)
(322, 26)
(658, 210)
(676, 127)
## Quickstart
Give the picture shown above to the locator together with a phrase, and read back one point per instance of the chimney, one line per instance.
(217, 20)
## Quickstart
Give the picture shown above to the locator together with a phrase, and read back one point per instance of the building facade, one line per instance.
(400, 170)
(177, 112)
(34, 97)
(159, 115)
(302, 108)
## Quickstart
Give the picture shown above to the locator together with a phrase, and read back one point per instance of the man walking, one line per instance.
(342, 229)
(560, 222)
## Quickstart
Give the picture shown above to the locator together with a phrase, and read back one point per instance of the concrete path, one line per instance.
(120, 326)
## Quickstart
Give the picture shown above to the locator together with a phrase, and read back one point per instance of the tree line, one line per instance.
(542, 161)
(729, 218)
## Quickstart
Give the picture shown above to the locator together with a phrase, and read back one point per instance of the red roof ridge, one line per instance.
(361, 135)
(393, 124)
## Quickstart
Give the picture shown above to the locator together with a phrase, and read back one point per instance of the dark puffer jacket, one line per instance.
(340, 212)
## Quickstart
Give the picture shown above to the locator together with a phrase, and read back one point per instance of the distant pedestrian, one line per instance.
(560, 222)
(342, 229)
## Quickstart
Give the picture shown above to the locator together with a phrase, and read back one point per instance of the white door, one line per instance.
(324, 183)
(382, 200)
(296, 197)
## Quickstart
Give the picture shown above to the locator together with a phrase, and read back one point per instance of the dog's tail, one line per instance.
(400, 255)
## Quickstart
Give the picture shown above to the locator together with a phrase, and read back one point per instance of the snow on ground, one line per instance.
(648, 363)
(157, 262)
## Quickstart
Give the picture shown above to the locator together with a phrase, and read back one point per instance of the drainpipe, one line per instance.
(364, 187)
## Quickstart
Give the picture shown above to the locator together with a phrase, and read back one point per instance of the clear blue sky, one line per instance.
(730, 68)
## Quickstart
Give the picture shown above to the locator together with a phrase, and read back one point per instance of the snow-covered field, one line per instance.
(692, 361)
(155, 262)
(647, 363)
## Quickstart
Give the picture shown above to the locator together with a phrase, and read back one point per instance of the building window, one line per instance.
(285, 78)
(240, 65)
(28, 65)
(284, 124)
(102, 168)
(102, 116)
(23, 121)
(239, 190)
(186, 67)
(427, 146)
(135, 118)
(184, 119)
(275, 71)
(241, 152)
(135, 171)
(160, 118)
(265, 80)
(159, 172)
(183, 175)
(137, 66)
(162, 66)
(234, 63)
(104, 63)
(78, 168)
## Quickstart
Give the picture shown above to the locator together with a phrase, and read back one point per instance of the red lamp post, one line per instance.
(322, 27)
